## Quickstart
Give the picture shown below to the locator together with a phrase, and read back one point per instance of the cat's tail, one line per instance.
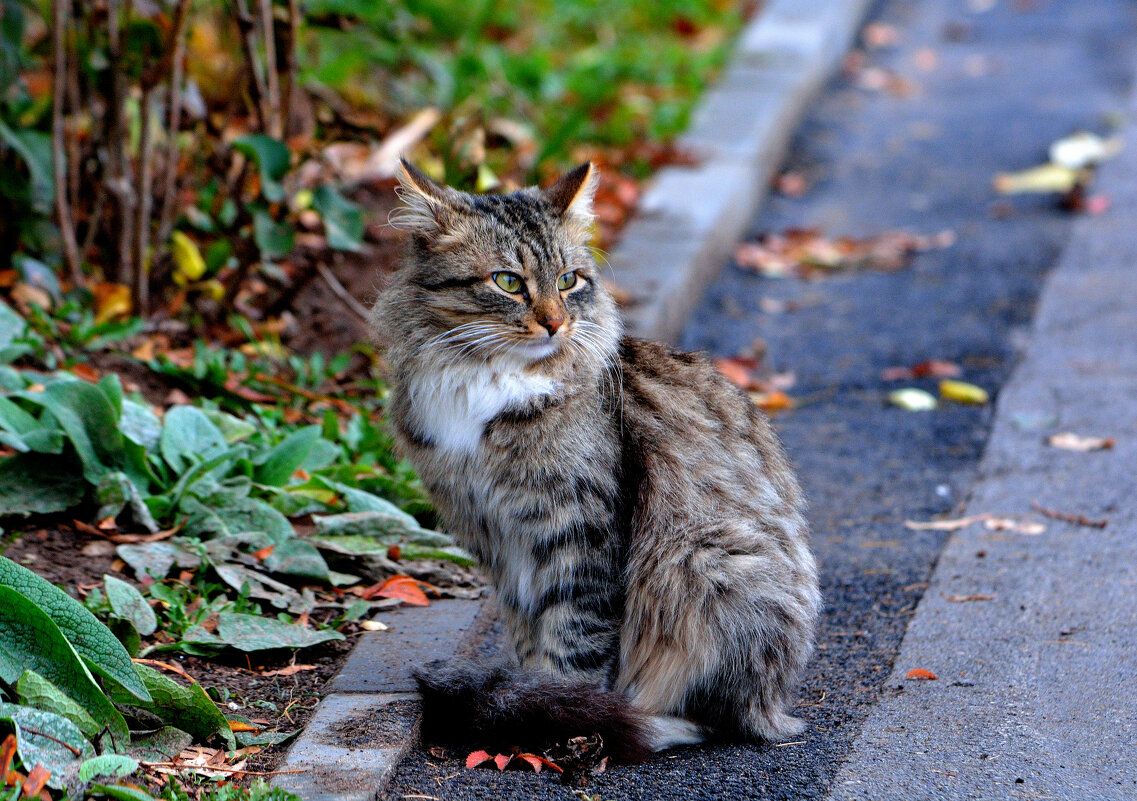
(499, 707)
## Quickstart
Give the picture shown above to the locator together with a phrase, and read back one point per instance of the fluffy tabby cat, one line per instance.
(634, 511)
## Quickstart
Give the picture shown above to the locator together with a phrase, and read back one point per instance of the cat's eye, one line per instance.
(566, 281)
(510, 282)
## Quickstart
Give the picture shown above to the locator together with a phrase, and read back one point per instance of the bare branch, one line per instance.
(245, 23)
(141, 286)
(173, 123)
(272, 75)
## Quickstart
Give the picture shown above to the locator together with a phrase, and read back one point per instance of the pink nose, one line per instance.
(553, 324)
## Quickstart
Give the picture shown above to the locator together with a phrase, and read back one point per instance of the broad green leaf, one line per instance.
(343, 220)
(12, 325)
(262, 587)
(120, 792)
(233, 428)
(187, 708)
(88, 416)
(12, 417)
(386, 527)
(188, 436)
(288, 454)
(161, 745)
(139, 424)
(275, 240)
(362, 501)
(252, 633)
(272, 158)
(34, 147)
(115, 491)
(127, 603)
(91, 639)
(264, 738)
(47, 739)
(34, 690)
(30, 640)
(296, 557)
(32, 483)
(451, 553)
(113, 766)
(154, 559)
(242, 516)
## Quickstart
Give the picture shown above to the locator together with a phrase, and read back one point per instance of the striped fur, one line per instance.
(634, 511)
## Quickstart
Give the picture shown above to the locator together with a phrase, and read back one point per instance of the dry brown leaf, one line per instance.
(807, 252)
(1069, 441)
(944, 525)
(291, 670)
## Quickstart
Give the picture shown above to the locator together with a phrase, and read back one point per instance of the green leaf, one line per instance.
(30, 640)
(120, 792)
(12, 325)
(275, 240)
(32, 483)
(115, 491)
(252, 633)
(154, 559)
(295, 557)
(258, 585)
(233, 428)
(46, 739)
(241, 516)
(114, 766)
(272, 158)
(264, 738)
(187, 708)
(451, 554)
(127, 603)
(91, 639)
(161, 745)
(386, 527)
(34, 690)
(139, 424)
(88, 416)
(343, 220)
(288, 454)
(34, 147)
(188, 436)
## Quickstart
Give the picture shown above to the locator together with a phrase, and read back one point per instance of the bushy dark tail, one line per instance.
(498, 708)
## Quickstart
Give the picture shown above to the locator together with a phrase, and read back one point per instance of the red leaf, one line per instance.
(7, 751)
(477, 758)
(739, 370)
(405, 588)
(921, 673)
(37, 778)
(264, 552)
(538, 761)
(501, 760)
(936, 368)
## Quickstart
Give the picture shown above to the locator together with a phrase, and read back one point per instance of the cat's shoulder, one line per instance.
(654, 361)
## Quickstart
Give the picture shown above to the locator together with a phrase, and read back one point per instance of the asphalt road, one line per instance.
(993, 83)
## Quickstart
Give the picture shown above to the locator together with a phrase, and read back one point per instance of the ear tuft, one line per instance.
(424, 201)
(572, 195)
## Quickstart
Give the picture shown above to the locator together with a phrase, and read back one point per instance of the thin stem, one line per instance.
(174, 123)
(272, 75)
(244, 20)
(61, 15)
(141, 287)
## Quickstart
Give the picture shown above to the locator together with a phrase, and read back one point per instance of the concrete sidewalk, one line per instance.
(1036, 694)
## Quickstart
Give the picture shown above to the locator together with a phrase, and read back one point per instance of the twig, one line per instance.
(60, 14)
(1080, 520)
(272, 75)
(247, 26)
(353, 305)
(30, 730)
(117, 182)
(203, 768)
(141, 287)
(173, 123)
(291, 70)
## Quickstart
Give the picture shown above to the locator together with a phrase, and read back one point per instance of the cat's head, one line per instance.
(504, 278)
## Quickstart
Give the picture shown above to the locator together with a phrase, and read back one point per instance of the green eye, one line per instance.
(566, 281)
(508, 281)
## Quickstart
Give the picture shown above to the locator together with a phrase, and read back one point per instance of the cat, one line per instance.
(635, 512)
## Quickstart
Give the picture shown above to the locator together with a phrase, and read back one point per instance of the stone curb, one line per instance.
(685, 227)
(370, 716)
(689, 220)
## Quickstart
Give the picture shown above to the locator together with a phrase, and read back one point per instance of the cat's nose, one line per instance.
(552, 324)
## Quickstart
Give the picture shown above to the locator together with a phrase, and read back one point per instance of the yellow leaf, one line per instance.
(187, 258)
(1043, 179)
(962, 392)
(111, 301)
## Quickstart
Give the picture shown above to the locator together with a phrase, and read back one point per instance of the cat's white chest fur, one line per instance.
(451, 406)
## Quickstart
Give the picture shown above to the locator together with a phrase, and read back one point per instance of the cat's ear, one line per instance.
(426, 206)
(572, 195)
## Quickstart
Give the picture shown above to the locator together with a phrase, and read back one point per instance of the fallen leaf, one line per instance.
(501, 760)
(373, 625)
(1069, 441)
(238, 725)
(944, 525)
(405, 588)
(773, 401)
(920, 673)
(957, 599)
(807, 253)
(1028, 527)
(477, 758)
(738, 370)
(1044, 179)
(537, 762)
(912, 399)
(86, 372)
(37, 778)
(879, 34)
(962, 392)
(111, 301)
(930, 368)
(264, 553)
(7, 752)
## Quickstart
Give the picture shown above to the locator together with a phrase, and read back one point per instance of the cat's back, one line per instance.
(681, 416)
